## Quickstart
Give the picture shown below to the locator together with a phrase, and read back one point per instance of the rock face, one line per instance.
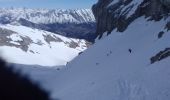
(118, 14)
(161, 55)
(5, 40)
(166, 3)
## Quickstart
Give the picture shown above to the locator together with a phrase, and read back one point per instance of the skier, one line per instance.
(130, 50)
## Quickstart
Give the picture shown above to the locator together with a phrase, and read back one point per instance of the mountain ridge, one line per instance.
(79, 23)
(47, 16)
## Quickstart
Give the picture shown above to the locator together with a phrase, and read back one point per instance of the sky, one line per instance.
(64, 4)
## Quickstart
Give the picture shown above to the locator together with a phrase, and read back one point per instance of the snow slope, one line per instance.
(47, 16)
(108, 71)
(24, 45)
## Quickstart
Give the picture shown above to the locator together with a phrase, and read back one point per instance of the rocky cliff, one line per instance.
(119, 14)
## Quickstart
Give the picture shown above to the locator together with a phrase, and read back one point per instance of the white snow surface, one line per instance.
(40, 52)
(108, 71)
(48, 16)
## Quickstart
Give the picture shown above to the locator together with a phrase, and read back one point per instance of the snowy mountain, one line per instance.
(130, 61)
(24, 45)
(79, 23)
(47, 16)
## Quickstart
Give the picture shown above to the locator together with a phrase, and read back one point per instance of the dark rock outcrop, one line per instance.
(49, 38)
(165, 3)
(160, 35)
(5, 40)
(119, 15)
(161, 55)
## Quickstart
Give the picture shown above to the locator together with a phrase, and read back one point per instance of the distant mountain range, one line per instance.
(78, 23)
(47, 16)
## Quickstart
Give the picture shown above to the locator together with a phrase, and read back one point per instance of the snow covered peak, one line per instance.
(47, 16)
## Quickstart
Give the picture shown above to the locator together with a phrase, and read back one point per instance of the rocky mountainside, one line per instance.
(78, 23)
(119, 14)
(25, 45)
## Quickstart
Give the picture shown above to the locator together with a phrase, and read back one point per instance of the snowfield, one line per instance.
(108, 71)
(37, 47)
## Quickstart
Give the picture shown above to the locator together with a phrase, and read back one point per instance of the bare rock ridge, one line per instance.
(161, 55)
(118, 14)
(5, 40)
